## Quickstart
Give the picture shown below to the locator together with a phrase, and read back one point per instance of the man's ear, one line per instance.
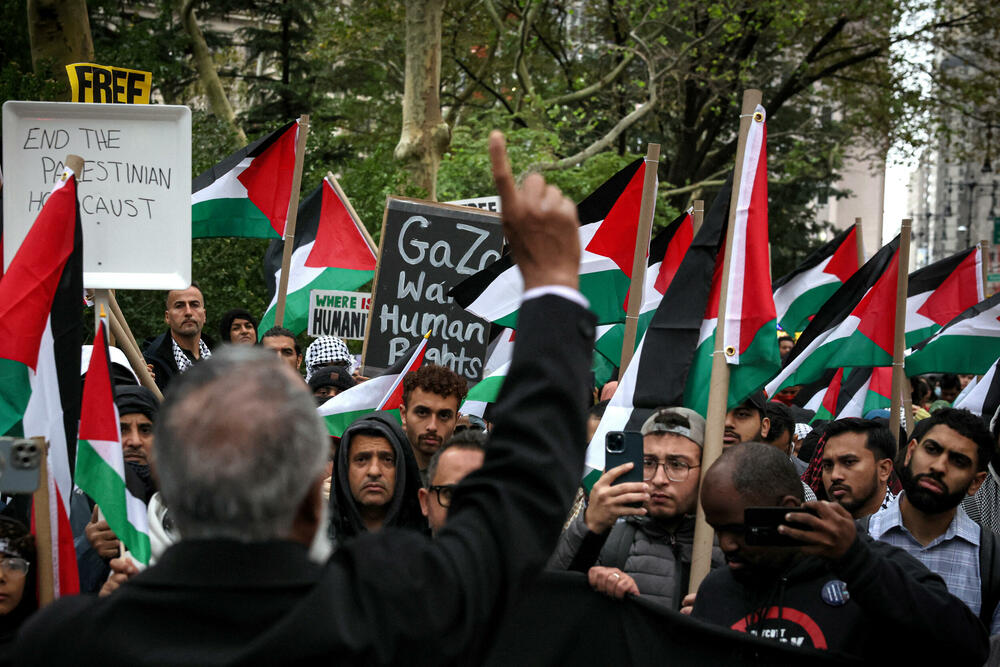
(402, 414)
(765, 427)
(789, 501)
(423, 497)
(977, 481)
(909, 451)
(884, 470)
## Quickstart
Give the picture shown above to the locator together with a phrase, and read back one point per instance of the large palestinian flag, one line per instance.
(938, 293)
(800, 294)
(855, 327)
(41, 331)
(750, 334)
(609, 223)
(970, 343)
(853, 392)
(247, 194)
(330, 253)
(666, 250)
(382, 393)
(100, 466)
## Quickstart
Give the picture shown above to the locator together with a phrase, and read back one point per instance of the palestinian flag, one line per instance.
(970, 343)
(855, 327)
(382, 393)
(666, 251)
(854, 392)
(800, 294)
(983, 398)
(331, 253)
(609, 224)
(485, 392)
(750, 330)
(100, 466)
(501, 352)
(247, 194)
(41, 331)
(938, 293)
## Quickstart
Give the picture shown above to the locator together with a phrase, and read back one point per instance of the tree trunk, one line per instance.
(59, 32)
(425, 135)
(217, 100)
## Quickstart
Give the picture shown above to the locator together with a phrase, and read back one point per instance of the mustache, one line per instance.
(839, 487)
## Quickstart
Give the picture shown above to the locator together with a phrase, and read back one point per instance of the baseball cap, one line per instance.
(331, 376)
(664, 421)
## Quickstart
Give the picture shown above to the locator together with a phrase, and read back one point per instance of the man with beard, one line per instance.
(838, 591)
(946, 465)
(857, 462)
(748, 421)
(431, 396)
(184, 344)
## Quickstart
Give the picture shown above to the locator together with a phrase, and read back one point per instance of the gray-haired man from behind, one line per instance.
(241, 453)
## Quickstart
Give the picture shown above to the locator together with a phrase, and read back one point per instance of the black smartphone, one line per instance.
(622, 447)
(761, 526)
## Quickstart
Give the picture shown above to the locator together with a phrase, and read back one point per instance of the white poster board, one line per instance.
(134, 193)
(339, 313)
(490, 203)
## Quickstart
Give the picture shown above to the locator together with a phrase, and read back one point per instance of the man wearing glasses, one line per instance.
(459, 456)
(643, 549)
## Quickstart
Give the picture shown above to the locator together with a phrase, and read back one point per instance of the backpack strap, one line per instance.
(989, 574)
(618, 544)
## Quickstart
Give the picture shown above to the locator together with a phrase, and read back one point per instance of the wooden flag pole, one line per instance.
(698, 216)
(984, 246)
(718, 391)
(639, 257)
(102, 301)
(859, 238)
(43, 528)
(899, 381)
(350, 209)
(293, 213)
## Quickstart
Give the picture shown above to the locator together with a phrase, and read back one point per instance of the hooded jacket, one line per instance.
(404, 508)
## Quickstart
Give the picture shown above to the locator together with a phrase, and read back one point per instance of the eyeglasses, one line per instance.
(16, 567)
(443, 492)
(676, 469)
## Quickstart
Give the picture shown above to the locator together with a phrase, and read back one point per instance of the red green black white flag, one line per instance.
(938, 293)
(969, 343)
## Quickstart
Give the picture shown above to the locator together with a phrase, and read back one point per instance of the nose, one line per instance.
(130, 438)
(728, 543)
(940, 463)
(837, 474)
(660, 476)
(432, 423)
(374, 470)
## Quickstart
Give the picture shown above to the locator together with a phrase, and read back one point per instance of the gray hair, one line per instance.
(238, 444)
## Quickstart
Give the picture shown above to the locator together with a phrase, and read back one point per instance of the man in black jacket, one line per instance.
(183, 343)
(241, 467)
(838, 591)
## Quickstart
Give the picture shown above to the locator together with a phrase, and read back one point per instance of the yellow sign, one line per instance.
(109, 85)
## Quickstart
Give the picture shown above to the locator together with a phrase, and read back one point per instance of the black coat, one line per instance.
(159, 352)
(392, 597)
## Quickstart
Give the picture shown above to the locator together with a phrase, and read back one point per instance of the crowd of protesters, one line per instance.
(407, 540)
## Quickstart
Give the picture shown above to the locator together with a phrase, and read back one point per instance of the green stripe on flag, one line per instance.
(230, 217)
(920, 335)
(336, 424)
(15, 390)
(605, 291)
(297, 302)
(797, 316)
(954, 354)
(590, 478)
(103, 483)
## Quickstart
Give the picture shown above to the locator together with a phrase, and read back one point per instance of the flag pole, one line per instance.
(859, 238)
(43, 527)
(635, 290)
(984, 246)
(698, 216)
(293, 212)
(899, 381)
(718, 392)
(102, 307)
(350, 209)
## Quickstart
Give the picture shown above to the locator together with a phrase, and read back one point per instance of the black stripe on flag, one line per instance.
(969, 313)
(814, 259)
(227, 164)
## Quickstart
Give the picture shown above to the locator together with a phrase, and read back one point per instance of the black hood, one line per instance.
(404, 509)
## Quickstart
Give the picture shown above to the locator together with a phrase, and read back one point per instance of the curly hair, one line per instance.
(434, 379)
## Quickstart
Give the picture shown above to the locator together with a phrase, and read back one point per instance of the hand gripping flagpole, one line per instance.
(636, 287)
(900, 386)
(718, 392)
(293, 212)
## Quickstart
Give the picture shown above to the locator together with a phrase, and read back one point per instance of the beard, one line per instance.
(859, 497)
(925, 500)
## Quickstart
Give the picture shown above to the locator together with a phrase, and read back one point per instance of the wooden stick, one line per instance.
(698, 215)
(718, 392)
(102, 301)
(984, 246)
(43, 528)
(350, 209)
(639, 257)
(859, 238)
(116, 311)
(75, 163)
(371, 308)
(134, 356)
(899, 345)
(293, 213)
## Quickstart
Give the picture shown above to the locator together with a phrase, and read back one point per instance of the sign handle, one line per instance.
(901, 392)
(859, 238)
(43, 528)
(698, 216)
(293, 212)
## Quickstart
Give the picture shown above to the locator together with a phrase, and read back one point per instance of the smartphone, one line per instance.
(622, 447)
(761, 526)
(19, 461)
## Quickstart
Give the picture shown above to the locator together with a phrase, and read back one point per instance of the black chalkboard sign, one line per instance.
(425, 249)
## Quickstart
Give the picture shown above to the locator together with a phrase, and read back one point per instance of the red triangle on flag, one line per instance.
(268, 179)
(844, 262)
(339, 243)
(877, 309)
(832, 394)
(956, 294)
(615, 237)
(675, 254)
(97, 410)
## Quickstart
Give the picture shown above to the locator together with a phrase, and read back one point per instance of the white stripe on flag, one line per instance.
(227, 186)
(617, 413)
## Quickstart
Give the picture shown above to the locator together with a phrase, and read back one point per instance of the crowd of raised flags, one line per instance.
(842, 311)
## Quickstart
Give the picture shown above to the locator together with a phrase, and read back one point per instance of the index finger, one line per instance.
(503, 177)
(614, 473)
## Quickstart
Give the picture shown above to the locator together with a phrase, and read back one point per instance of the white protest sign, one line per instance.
(134, 192)
(338, 313)
(491, 203)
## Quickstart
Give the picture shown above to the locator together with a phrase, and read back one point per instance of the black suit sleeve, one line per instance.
(400, 598)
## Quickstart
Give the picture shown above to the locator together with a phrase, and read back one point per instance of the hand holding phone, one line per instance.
(620, 491)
